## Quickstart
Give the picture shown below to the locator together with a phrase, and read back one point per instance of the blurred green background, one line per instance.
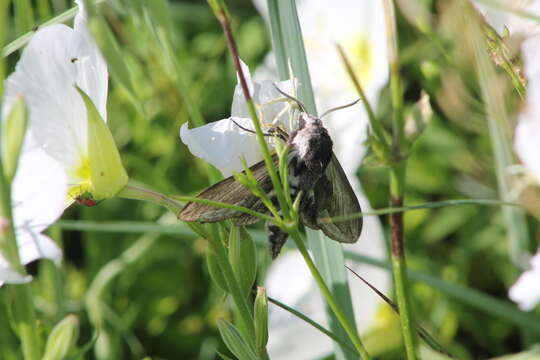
(159, 300)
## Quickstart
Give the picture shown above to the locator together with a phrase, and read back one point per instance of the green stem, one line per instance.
(138, 193)
(376, 126)
(395, 81)
(430, 205)
(351, 332)
(25, 320)
(226, 25)
(397, 181)
(397, 187)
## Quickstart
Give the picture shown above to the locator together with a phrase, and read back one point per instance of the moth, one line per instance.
(312, 168)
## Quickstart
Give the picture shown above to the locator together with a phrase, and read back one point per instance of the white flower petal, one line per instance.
(239, 108)
(222, 143)
(34, 246)
(56, 58)
(39, 191)
(8, 275)
(526, 290)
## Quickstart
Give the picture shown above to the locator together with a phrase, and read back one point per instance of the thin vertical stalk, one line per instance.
(224, 20)
(397, 186)
(399, 264)
(338, 312)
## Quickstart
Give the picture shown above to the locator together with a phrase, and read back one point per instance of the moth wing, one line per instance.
(228, 191)
(246, 219)
(334, 197)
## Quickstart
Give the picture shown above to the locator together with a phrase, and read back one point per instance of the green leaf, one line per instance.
(214, 270)
(108, 175)
(234, 341)
(62, 338)
(13, 132)
(243, 258)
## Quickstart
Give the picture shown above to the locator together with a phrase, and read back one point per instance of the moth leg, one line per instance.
(276, 239)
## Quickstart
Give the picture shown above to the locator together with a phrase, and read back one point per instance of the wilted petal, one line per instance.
(56, 58)
(223, 143)
(526, 290)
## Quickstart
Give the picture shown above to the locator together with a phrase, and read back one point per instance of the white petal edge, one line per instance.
(9, 276)
(526, 291)
(39, 191)
(222, 144)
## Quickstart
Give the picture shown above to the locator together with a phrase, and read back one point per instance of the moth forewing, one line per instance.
(228, 191)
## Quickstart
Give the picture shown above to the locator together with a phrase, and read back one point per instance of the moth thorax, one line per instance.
(308, 120)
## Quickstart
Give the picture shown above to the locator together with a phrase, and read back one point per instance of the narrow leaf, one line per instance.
(243, 258)
(234, 341)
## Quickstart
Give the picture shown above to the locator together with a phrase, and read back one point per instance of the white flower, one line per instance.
(57, 59)
(526, 290)
(223, 143)
(38, 194)
(500, 18)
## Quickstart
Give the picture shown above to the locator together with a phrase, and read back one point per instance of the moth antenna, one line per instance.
(327, 112)
(298, 102)
(273, 131)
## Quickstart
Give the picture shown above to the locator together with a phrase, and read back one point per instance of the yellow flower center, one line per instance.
(82, 177)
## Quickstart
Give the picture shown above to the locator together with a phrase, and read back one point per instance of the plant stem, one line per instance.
(25, 320)
(399, 266)
(351, 332)
(397, 186)
(138, 193)
(223, 18)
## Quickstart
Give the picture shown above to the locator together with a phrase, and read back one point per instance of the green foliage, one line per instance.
(157, 289)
